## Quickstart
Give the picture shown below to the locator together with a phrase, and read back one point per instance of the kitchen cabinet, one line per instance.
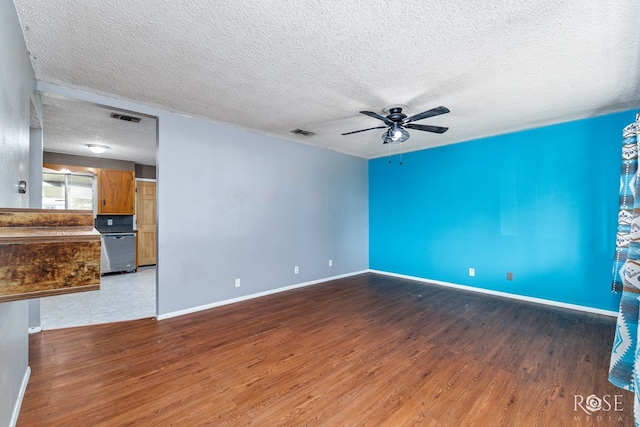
(116, 192)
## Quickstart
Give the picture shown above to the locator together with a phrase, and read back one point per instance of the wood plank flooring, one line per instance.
(368, 350)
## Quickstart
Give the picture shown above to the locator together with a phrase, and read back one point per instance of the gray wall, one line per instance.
(86, 161)
(145, 171)
(34, 185)
(17, 83)
(235, 204)
(34, 190)
(142, 171)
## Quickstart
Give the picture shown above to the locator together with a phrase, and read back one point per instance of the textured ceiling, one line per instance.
(272, 66)
(70, 125)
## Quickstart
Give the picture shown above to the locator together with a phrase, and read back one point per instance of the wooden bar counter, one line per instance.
(47, 252)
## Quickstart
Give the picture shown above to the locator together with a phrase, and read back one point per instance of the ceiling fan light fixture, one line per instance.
(395, 135)
(396, 120)
(97, 148)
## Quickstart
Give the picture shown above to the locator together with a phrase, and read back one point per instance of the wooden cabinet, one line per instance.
(116, 192)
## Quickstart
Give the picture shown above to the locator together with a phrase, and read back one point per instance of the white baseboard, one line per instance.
(256, 295)
(503, 294)
(402, 276)
(35, 329)
(23, 389)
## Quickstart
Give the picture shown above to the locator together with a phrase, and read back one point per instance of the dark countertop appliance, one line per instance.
(118, 243)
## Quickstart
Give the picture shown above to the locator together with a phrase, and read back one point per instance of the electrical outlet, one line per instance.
(237, 283)
(509, 275)
(109, 221)
(472, 272)
(295, 270)
(330, 262)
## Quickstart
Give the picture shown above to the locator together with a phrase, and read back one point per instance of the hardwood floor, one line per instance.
(368, 350)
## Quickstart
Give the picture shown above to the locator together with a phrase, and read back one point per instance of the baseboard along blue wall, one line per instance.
(541, 204)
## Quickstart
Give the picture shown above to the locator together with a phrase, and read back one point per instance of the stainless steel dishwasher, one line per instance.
(118, 252)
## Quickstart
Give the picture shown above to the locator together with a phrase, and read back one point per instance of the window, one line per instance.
(68, 191)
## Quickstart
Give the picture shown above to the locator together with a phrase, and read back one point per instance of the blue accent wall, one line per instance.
(540, 203)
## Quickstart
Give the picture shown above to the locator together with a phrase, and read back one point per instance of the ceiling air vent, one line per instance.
(303, 132)
(125, 117)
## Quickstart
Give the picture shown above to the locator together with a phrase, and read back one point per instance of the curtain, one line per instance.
(624, 370)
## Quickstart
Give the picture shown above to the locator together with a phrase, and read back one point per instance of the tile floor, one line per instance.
(121, 297)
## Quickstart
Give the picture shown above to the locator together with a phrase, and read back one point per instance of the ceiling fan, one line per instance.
(398, 122)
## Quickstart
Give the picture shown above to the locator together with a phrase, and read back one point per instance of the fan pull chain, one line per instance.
(401, 150)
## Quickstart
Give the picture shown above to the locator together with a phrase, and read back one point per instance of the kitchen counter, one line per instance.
(46, 252)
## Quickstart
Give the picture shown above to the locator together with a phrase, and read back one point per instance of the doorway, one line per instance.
(131, 145)
(146, 222)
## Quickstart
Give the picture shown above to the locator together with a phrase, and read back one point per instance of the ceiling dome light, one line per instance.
(97, 148)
